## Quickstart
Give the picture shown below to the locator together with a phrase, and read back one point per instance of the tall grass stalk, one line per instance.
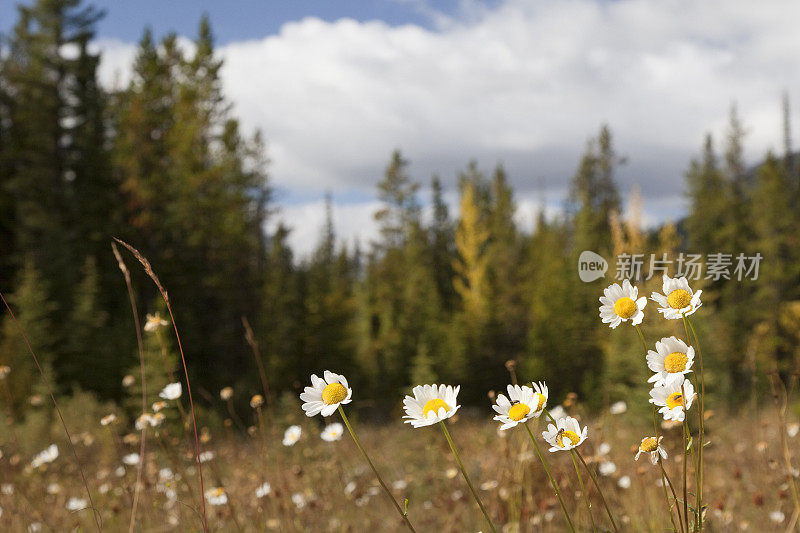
(781, 397)
(149, 271)
(95, 512)
(135, 311)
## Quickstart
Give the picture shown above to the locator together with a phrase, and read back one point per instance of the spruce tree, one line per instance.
(33, 311)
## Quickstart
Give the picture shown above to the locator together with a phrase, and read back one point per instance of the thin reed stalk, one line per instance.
(95, 512)
(135, 311)
(149, 271)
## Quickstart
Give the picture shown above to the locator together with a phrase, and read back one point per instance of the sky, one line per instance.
(336, 86)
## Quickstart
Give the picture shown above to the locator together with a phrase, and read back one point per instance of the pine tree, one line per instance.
(197, 197)
(399, 194)
(710, 197)
(594, 196)
(56, 140)
(441, 235)
(508, 308)
(33, 310)
(87, 362)
(777, 241)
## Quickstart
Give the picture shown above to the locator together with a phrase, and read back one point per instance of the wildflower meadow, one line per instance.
(497, 266)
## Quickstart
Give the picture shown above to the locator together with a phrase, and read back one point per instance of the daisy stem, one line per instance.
(466, 477)
(644, 346)
(583, 490)
(403, 514)
(685, 490)
(666, 481)
(641, 336)
(549, 475)
(655, 430)
(599, 490)
(702, 427)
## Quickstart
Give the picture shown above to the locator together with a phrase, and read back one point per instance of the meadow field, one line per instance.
(316, 485)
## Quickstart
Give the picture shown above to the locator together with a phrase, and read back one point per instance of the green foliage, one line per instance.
(163, 164)
(32, 310)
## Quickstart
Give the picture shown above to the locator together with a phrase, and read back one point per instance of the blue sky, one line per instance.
(336, 85)
(239, 20)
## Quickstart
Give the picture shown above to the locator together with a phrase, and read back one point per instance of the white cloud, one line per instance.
(524, 83)
(353, 223)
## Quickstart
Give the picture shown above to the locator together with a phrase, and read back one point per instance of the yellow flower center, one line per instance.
(334, 393)
(675, 400)
(571, 435)
(434, 406)
(518, 411)
(625, 307)
(650, 444)
(542, 399)
(678, 299)
(675, 362)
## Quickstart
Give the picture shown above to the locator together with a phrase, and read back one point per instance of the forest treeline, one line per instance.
(163, 165)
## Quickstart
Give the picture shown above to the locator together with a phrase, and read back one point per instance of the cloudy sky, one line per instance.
(336, 86)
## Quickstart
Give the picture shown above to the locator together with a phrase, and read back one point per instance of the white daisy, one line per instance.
(76, 504)
(672, 357)
(207, 456)
(677, 299)
(522, 404)
(263, 490)
(430, 404)
(216, 496)
(675, 397)
(299, 500)
(131, 459)
(624, 482)
(652, 446)
(332, 432)
(172, 391)
(617, 408)
(108, 419)
(325, 395)
(48, 455)
(292, 435)
(565, 435)
(558, 412)
(607, 468)
(154, 322)
(621, 304)
(144, 420)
